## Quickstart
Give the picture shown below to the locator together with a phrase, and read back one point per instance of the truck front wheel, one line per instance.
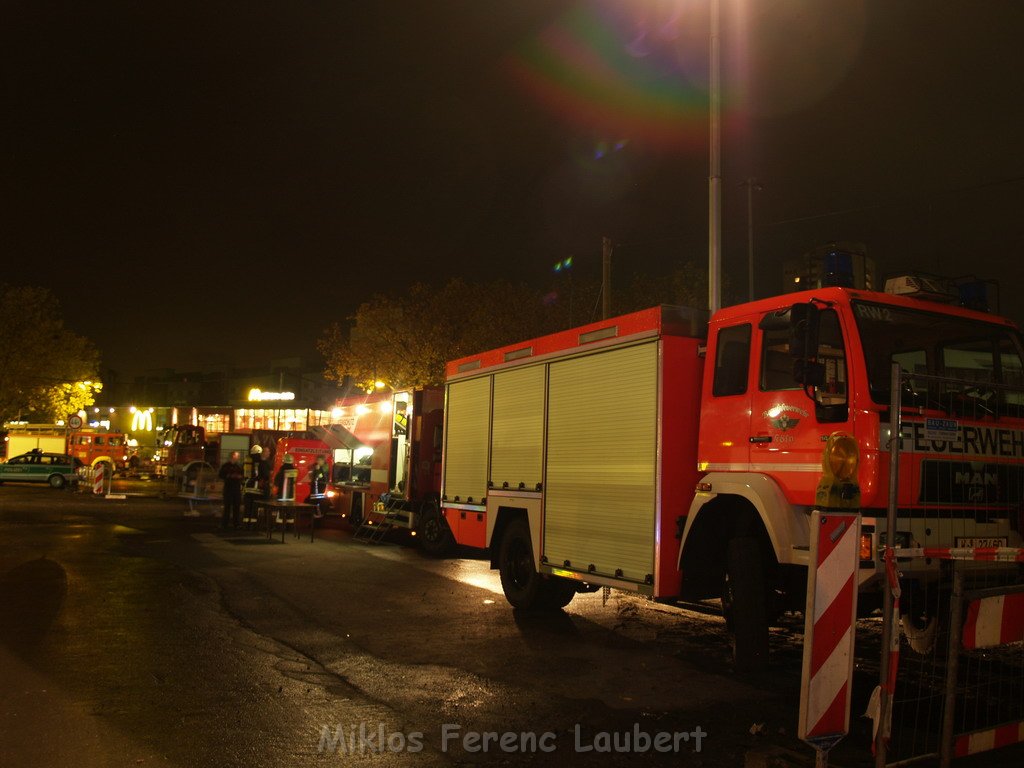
(747, 603)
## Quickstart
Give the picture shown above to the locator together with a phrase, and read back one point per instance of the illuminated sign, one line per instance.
(142, 420)
(260, 395)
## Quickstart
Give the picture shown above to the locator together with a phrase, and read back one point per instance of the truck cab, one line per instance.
(183, 450)
(785, 373)
(93, 448)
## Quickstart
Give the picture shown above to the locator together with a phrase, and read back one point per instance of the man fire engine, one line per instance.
(659, 453)
(395, 442)
(183, 451)
(91, 447)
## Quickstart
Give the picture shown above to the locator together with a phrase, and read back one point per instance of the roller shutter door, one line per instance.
(466, 426)
(517, 437)
(600, 490)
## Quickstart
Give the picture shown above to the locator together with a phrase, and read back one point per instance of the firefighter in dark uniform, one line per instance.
(231, 475)
(317, 478)
(257, 485)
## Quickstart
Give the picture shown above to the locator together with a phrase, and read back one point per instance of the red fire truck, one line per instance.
(89, 446)
(678, 458)
(396, 462)
(93, 448)
(182, 451)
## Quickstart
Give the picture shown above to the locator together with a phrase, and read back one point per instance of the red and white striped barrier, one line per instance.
(97, 479)
(993, 621)
(991, 738)
(829, 628)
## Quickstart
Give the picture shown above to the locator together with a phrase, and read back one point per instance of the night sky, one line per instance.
(216, 182)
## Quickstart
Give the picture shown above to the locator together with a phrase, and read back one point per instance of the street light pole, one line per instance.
(752, 187)
(715, 176)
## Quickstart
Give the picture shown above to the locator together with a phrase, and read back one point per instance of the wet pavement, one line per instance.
(132, 635)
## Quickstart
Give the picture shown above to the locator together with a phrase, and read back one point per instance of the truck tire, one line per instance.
(435, 535)
(745, 574)
(522, 585)
(557, 593)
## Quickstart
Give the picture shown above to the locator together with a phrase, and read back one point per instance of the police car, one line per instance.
(57, 469)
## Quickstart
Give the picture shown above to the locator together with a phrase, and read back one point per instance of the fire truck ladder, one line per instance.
(374, 533)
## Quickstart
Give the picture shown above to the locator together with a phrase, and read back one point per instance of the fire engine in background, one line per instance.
(659, 453)
(183, 451)
(393, 442)
(94, 448)
(49, 438)
(91, 447)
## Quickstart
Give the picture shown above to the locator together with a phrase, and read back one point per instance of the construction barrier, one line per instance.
(985, 670)
(95, 480)
(951, 664)
(830, 621)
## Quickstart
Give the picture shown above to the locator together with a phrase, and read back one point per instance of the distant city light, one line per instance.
(258, 394)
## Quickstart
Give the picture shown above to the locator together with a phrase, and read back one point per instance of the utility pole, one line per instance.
(715, 174)
(606, 278)
(752, 186)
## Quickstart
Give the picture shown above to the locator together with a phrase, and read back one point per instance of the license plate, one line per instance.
(981, 541)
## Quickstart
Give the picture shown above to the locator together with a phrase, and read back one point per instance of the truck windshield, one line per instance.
(936, 344)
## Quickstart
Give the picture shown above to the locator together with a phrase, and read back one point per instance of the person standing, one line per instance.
(231, 475)
(286, 491)
(257, 486)
(317, 479)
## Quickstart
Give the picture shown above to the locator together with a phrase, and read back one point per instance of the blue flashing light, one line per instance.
(974, 295)
(838, 269)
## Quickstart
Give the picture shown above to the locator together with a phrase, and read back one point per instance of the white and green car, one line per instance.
(57, 469)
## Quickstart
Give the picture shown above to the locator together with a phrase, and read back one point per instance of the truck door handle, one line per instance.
(761, 439)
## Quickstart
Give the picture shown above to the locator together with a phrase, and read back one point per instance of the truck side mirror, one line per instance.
(810, 373)
(803, 326)
(804, 322)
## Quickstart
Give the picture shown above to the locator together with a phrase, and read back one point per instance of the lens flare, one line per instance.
(634, 70)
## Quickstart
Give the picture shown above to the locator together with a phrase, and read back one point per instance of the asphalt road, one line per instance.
(131, 635)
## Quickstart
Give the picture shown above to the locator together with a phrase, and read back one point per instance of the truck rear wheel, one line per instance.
(435, 535)
(519, 578)
(747, 601)
(525, 588)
